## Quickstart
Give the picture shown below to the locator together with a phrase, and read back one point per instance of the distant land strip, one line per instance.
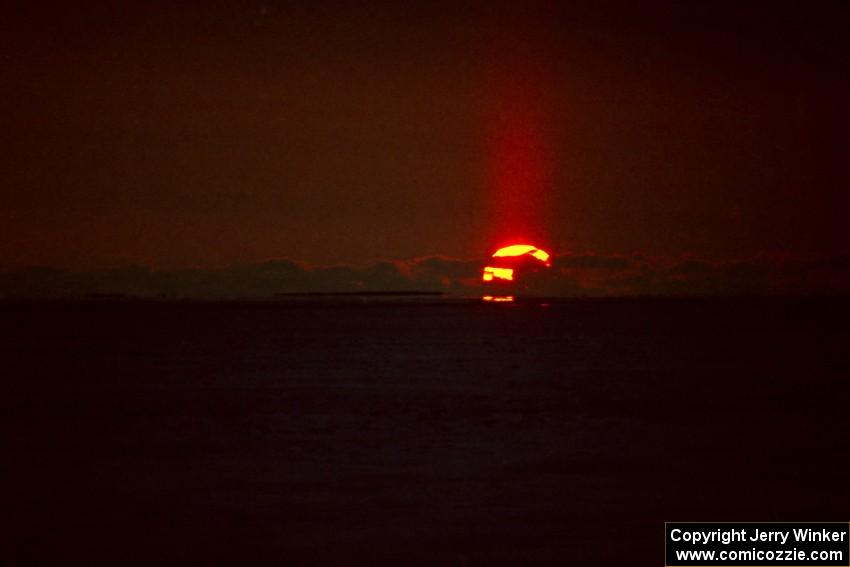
(357, 293)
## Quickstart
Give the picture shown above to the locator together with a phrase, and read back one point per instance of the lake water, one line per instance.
(416, 432)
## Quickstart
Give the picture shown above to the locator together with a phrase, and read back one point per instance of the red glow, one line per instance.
(519, 161)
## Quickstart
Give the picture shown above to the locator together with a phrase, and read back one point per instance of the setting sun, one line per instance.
(491, 273)
(520, 250)
(508, 262)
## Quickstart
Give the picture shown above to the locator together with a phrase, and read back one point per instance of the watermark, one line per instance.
(692, 544)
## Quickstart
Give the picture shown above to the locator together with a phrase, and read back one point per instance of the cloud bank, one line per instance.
(572, 275)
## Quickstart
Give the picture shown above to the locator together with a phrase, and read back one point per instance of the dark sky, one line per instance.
(172, 135)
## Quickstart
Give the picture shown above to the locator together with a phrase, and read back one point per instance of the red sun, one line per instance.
(510, 262)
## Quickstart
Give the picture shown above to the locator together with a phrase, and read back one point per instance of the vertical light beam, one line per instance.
(518, 148)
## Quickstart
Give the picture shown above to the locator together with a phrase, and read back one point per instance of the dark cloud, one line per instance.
(572, 275)
(445, 274)
(593, 261)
